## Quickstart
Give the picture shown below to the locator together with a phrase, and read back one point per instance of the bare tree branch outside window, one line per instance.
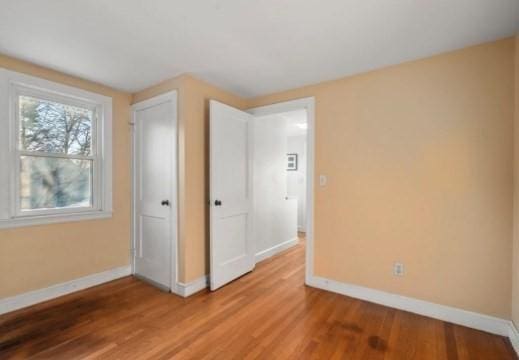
(65, 131)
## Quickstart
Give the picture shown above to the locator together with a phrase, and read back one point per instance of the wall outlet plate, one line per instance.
(398, 269)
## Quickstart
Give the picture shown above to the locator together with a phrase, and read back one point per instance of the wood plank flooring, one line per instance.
(267, 314)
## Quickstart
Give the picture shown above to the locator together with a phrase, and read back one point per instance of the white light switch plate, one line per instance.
(323, 180)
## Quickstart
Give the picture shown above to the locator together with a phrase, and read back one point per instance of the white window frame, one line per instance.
(12, 85)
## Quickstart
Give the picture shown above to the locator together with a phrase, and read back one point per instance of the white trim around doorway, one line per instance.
(308, 104)
(171, 96)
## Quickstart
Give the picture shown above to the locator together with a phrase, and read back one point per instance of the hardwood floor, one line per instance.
(268, 314)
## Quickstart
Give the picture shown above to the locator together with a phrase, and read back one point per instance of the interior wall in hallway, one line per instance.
(275, 216)
(296, 180)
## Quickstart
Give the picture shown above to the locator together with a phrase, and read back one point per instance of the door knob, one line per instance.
(164, 203)
(217, 203)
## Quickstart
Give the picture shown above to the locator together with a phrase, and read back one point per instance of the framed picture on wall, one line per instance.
(291, 162)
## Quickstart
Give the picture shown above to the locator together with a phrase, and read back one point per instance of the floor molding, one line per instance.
(265, 254)
(37, 296)
(470, 319)
(192, 287)
(513, 335)
(188, 289)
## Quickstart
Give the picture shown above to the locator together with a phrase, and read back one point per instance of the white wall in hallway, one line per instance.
(296, 180)
(275, 218)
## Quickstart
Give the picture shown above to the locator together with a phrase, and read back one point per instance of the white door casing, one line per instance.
(231, 241)
(309, 105)
(155, 190)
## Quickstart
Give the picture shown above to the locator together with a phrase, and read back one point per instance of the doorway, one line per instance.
(279, 181)
(154, 193)
(295, 113)
(249, 163)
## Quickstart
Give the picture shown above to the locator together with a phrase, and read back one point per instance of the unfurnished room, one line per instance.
(271, 179)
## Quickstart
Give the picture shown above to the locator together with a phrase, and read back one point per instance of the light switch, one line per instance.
(323, 180)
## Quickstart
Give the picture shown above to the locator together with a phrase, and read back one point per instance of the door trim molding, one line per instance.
(34, 297)
(171, 96)
(307, 103)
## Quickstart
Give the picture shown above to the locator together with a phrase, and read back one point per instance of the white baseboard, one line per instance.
(513, 335)
(37, 296)
(188, 289)
(466, 318)
(265, 254)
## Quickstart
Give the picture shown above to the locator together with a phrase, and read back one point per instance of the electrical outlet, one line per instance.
(398, 269)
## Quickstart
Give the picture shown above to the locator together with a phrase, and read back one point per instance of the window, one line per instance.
(57, 151)
(55, 154)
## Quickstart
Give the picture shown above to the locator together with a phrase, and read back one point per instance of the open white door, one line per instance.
(231, 242)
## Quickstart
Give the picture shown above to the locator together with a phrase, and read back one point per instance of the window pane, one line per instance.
(49, 183)
(49, 126)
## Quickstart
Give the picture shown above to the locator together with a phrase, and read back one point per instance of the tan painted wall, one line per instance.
(38, 256)
(419, 165)
(419, 159)
(194, 98)
(515, 295)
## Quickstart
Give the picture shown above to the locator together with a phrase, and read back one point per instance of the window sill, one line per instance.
(53, 219)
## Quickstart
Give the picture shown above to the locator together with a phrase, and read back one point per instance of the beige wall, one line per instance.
(194, 98)
(38, 256)
(515, 297)
(419, 165)
(419, 160)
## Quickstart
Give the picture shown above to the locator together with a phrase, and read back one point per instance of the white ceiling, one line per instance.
(245, 46)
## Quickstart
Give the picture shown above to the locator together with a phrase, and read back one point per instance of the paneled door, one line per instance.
(155, 187)
(231, 242)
